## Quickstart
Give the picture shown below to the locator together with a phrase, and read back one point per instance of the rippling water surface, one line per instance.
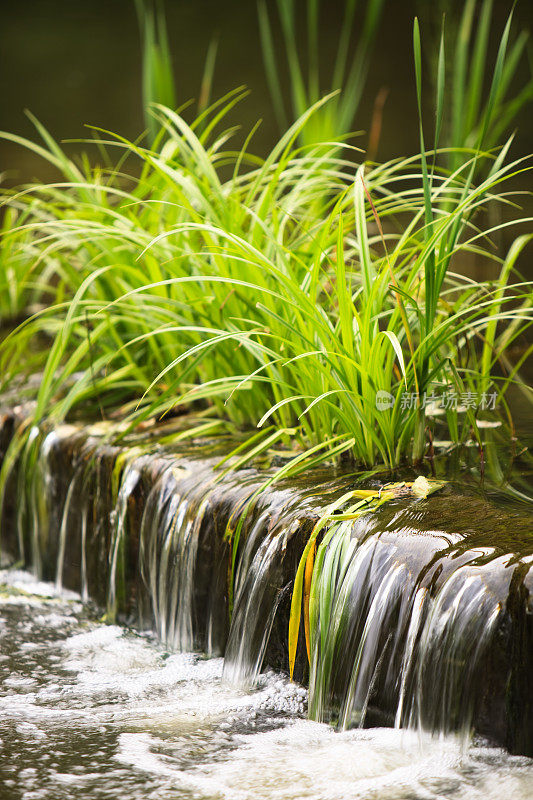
(89, 710)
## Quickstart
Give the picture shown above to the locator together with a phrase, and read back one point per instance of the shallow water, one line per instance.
(89, 710)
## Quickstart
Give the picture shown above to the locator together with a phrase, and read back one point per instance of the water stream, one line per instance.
(421, 623)
(99, 711)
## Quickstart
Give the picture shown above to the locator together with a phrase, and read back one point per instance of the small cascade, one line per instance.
(420, 598)
(38, 509)
(272, 543)
(257, 597)
(170, 538)
(185, 560)
(409, 643)
(400, 625)
(460, 622)
(84, 584)
(34, 485)
(403, 613)
(131, 475)
(65, 528)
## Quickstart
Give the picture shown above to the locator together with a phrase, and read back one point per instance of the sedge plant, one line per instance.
(306, 79)
(289, 294)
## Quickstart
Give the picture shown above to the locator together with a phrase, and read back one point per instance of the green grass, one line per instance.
(158, 79)
(284, 292)
(158, 84)
(306, 77)
(269, 314)
(472, 114)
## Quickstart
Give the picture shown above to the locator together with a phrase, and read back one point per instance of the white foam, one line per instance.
(310, 760)
(25, 582)
(179, 728)
(18, 682)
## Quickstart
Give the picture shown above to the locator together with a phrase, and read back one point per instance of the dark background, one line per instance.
(73, 62)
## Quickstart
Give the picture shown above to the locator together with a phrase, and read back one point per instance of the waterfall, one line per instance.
(84, 587)
(64, 528)
(460, 622)
(170, 532)
(131, 475)
(411, 643)
(403, 615)
(33, 497)
(257, 597)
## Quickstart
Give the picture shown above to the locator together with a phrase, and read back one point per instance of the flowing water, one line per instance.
(98, 711)
(419, 621)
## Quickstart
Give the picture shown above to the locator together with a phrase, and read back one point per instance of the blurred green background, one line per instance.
(73, 63)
